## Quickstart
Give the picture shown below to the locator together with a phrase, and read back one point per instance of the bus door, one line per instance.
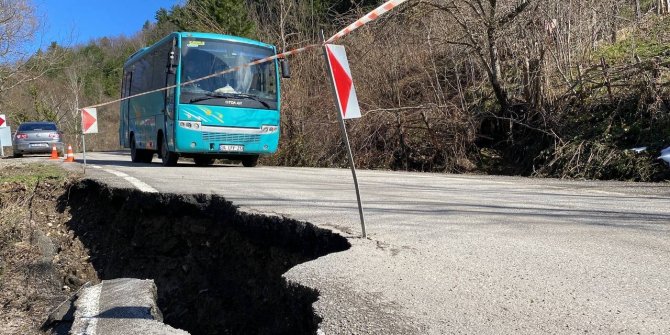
(170, 80)
(125, 118)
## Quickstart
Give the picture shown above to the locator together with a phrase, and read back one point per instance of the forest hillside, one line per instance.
(547, 88)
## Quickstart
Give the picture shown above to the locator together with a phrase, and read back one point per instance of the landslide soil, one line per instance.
(42, 263)
(218, 270)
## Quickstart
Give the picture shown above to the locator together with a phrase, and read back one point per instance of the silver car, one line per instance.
(37, 138)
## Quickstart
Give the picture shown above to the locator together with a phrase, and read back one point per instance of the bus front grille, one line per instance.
(231, 138)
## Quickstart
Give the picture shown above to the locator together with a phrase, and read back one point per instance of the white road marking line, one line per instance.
(96, 167)
(144, 187)
(140, 185)
(116, 173)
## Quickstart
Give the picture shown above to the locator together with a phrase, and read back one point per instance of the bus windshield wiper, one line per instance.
(247, 96)
(254, 98)
(207, 96)
(215, 95)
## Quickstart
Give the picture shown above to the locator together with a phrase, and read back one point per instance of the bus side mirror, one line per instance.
(285, 68)
(172, 64)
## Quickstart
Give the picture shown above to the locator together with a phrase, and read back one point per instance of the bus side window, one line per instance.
(159, 69)
(124, 84)
(141, 76)
(125, 90)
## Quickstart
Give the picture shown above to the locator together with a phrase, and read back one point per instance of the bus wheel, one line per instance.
(250, 161)
(203, 160)
(135, 154)
(168, 158)
(139, 155)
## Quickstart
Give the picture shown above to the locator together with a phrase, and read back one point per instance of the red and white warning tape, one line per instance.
(373, 15)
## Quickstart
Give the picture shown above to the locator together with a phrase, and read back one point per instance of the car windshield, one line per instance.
(37, 127)
(252, 87)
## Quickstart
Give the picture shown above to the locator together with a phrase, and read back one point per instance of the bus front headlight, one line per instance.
(269, 129)
(190, 125)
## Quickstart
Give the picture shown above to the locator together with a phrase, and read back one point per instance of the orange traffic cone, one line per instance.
(54, 153)
(70, 155)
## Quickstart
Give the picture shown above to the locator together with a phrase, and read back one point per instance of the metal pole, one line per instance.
(346, 141)
(2, 148)
(83, 137)
(353, 173)
(83, 144)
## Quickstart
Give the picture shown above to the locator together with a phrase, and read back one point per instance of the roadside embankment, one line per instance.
(42, 262)
(217, 270)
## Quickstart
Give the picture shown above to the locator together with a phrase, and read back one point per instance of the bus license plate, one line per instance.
(226, 147)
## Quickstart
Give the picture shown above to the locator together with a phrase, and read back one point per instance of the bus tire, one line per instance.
(139, 155)
(168, 158)
(250, 161)
(203, 160)
(133, 150)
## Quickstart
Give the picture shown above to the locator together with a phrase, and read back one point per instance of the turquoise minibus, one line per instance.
(232, 116)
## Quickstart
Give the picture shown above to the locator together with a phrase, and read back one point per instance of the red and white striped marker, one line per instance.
(347, 103)
(373, 15)
(89, 121)
(343, 82)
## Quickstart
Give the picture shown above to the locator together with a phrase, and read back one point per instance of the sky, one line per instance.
(71, 22)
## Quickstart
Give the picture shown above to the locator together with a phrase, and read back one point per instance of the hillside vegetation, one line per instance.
(536, 87)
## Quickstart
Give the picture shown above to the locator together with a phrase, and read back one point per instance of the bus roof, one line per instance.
(226, 38)
(138, 54)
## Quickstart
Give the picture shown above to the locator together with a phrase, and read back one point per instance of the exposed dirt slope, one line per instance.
(218, 270)
(41, 261)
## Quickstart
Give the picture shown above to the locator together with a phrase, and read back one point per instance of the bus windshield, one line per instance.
(251, 87)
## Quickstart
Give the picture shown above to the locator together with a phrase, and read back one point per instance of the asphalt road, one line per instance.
(457, 253)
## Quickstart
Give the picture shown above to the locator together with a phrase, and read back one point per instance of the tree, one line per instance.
(483, 24)
(638, 9)
(17, 27)
(218, 16)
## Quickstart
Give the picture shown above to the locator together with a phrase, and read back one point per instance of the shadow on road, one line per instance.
(124, 160)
